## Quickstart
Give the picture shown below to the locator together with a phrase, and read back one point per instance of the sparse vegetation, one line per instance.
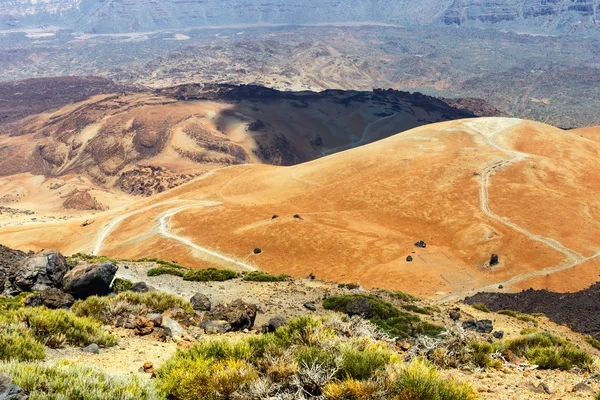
(121, 285)
(24, 332)
(259, 276)
(159, 261)
(349, 286)
(399, 295)
(209, 275)
(593, 342)
(76, 258)
(335, 358)
(72, 381)
(105, 309)
(387, 317)
(416, 309)
(481, 307)
(165, 271)
(519, 316)
(547, 351)
(13, 303)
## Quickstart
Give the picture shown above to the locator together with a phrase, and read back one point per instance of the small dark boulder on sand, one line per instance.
(421, 244)
(409, 258)
(494, 260)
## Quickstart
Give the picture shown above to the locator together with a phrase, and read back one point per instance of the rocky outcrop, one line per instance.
(239, 314)
(83, 200)
(200, 302)
(148, 180)
(10, 391)
(141, 287)
(38, 272)
(56, 298)
(273, 324)
(359, 306)
(90, 279)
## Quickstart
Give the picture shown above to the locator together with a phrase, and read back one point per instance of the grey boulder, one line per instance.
(10, 391)
(200, 302)
(39, 271)
(56, 298)
(90, 279)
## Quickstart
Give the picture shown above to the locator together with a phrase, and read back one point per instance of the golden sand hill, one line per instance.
(470, 188)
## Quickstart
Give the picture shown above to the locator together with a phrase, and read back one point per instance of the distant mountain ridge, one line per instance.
(109, 16)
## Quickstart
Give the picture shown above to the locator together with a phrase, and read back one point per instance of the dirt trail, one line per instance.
(489, 129)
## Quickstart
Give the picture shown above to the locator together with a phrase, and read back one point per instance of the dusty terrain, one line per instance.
(361, 211)
(144, 142)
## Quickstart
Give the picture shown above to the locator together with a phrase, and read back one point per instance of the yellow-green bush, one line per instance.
(210, 275)
(106, 308)
(12, 303)
(55, 327)
(335, 357)
(18, 343)
(66, 381)
(548, 351)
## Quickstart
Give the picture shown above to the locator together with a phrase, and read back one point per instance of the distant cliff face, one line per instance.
(104, 16)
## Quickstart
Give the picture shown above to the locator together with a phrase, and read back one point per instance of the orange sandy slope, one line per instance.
(363, 209)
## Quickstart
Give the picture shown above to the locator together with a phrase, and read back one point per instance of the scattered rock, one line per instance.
(297, 216)
(312, 276)
(90, 279)
(274, 324)
(500, 286)
(10, 391)
(92, 348)
(405, 346)
(142, 287)
(215, 327)
(56, 298)
(33, 300)
(421, 244)
(238, 314)
(148, 367)
(155, 318)
(257, 250)
(546, 388)
(494, 260)
(454, 315)
(498, 334)
(359, 306)
(582, 387)
(88, 222)
(275, 216)
(38, 272)
(409, 258)
(481, 326)
(310, 306)
(200, 302)
(144, 326)
(172, 327)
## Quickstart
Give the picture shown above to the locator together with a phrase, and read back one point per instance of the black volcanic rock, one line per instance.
(90, 279)
(580, 310)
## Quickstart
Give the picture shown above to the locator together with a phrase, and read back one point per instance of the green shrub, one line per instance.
(67, 381)
(106, 308)
(349, 286)
(362, 365)
(519, 316)
(528, 331)
(259, 276)
(159, 261)
(399, 295)
(381, 309)
(548, 351)
(210, 274)
(121, 285)
(55, 327)
(13, 303)
(481, 307)
(165, 271)
(593, 342)
(480, 353)
(18, 343)
(387, 317)
(416, 309)
(419, 380)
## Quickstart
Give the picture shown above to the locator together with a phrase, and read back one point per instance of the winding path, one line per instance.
(572, 258)
(163, 229)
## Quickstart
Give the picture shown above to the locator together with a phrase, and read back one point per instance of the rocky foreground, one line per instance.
(153, 329)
